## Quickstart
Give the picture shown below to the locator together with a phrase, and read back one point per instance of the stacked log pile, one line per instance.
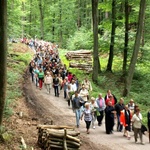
(83, 57)
(52, 137)
(81, 66)
(80, 54)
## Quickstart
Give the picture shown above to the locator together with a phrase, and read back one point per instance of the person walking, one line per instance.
(87, 113)
(84, 93)
(137, 123)
(48, 81)
(148, 123)
(56, 85)
(76, 106)
(93, 106)
(65, 86)
(109, 118)
(125, 120)
(101, 107)
(119, 107)
(109, 94)
(41, 77)
(131, 106)
(87, 84)
(31, 67)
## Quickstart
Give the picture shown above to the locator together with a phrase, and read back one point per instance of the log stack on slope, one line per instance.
(79, 54)
(52, 137)
(82, 58)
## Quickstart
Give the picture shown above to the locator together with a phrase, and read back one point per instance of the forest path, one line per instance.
(56, 109)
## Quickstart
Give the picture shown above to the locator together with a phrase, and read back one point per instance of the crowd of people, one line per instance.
(47, 69)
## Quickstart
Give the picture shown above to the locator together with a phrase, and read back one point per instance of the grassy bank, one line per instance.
(18, 58)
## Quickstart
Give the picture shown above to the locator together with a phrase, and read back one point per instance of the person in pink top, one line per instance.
(70, 76)
(101, 107)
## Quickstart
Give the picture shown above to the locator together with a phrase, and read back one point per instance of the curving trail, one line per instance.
(55, 108)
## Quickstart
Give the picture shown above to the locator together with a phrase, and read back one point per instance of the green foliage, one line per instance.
(82, 39)
(24, 58)
(5, 135)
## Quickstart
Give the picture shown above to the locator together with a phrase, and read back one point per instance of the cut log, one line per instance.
(73, 65)
(68, 141)
(82, 55)
(81, 51)
(54, 127)
(64, 140)
(73, 138)
(56, 137)
(69, 132)
(61, 147)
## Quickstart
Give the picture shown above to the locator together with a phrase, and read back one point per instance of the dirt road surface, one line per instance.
(54, 108)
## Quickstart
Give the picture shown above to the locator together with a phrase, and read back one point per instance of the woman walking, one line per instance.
(48, 82)
(137, 123)
(41, 77)
(87, 113)
(125, 120)
(93, 107)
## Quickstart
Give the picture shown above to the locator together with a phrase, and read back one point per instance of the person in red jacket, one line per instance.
(125, 120)
(111, 99)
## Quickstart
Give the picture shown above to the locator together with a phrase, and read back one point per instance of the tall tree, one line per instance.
(96, 62)
(3, 53)
(41, 19)
(126, 37)
(23, 18)
(79, 24)
(112, 42)
(129, 77)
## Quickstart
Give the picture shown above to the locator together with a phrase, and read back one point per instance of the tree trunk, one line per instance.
(41, 19)
(23, 18)
(53, 23)
(96, 63)
(143, 33)
(126, 38)
(111, 51)
(3, 53)
(100, 19)
(136, 49)
(30, 18)
(79, 15)
(60, 22)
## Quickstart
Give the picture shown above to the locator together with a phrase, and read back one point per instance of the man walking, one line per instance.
(76, 105)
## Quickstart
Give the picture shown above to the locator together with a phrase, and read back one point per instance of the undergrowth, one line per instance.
(15, 68)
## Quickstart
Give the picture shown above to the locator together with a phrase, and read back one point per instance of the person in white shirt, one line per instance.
(87, 84)
(48, 81)
(137, 123)
(73, 86)
(93, 107)
(84, 93)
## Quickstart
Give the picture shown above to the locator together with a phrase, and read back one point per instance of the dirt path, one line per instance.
(53, 108)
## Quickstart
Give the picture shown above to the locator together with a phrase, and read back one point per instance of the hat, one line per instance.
(92, 98)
